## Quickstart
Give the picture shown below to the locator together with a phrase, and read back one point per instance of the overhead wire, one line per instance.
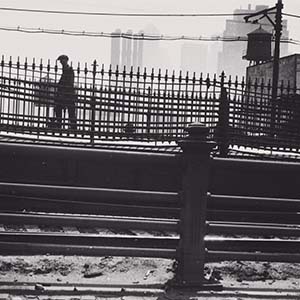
(144, 37)
(88, 13)
(291, 15)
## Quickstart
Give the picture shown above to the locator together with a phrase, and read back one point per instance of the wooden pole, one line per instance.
(278, 29)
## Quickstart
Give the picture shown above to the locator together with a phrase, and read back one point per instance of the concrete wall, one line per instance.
(89, 167)
(255, 178)
(289, 70)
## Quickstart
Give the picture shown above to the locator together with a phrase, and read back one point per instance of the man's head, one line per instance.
(63, 59)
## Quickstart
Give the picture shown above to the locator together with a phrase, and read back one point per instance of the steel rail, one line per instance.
(65, 206)
(253, 203)
(85, 221)
(105, 195)
(84, 239)
(253, 216)
(252, 245)
(216, 256)
(8, 248)
(252, 229)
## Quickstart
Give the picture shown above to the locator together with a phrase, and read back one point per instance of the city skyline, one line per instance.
(86, 49)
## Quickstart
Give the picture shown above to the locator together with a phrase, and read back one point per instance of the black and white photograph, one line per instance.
(149, 150)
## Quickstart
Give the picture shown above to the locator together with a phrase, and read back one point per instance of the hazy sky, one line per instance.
(86, 48)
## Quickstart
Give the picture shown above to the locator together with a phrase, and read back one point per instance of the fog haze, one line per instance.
(86, 49)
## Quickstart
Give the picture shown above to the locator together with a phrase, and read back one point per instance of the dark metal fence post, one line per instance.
(196, 157)
(222, 130)
(93, 103)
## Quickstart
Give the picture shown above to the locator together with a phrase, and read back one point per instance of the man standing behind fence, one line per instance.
(66, 97)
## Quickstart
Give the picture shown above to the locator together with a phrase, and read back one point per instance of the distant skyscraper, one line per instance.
(194, 58)
(230, 58)
(127, 51)
(115, 48)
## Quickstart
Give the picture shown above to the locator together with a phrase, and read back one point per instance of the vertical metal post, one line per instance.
(196, 158)
(278, 29)
(223, 122)
(93, 103)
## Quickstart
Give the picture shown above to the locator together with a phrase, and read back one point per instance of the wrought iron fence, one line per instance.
(110, 104)
(114, 104)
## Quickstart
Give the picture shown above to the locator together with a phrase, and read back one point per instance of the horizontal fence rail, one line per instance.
(138, 105)
(110, 104)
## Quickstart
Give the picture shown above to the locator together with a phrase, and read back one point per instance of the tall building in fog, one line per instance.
(156, 53)
(230, 57)
(128, 51)
(194, 58)
(115, 48)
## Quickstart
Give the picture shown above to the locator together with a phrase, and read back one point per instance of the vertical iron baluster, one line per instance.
(186, 109)
(261, 105)
(166, 120)
(160, 108)
(145, 108)
(269, 105)
(138, 116)
(84, 110)
(247, 106)
(93, 103)
(178, 119)
(17, 91)
(230, 100)
(242, 106)
(9, 93)
(55, 94)
(117, 114)
(38, 104)
(212, 101)
(15, 96)
(78, 100)
(149, 114)
(101, 103)
(123, 92)
(110, 101)
(206, 99)
(173, 111)
(280, 115)
(235, 105)
(151, 111)
(200, 102)
(130, 100)
(3, 87)
(288, 110)
(193, 109)
(49, 96)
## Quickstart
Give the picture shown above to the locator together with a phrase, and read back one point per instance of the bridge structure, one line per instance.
(118, 108)
(147, 163)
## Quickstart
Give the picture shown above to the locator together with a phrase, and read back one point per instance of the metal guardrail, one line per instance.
(138, 105)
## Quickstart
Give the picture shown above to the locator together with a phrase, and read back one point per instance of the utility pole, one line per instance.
(277, 30)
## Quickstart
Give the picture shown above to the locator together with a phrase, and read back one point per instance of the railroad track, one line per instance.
(30, 233)
(33, 232)
(100, 222)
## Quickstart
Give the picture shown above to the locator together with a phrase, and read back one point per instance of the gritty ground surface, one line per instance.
(138, 278)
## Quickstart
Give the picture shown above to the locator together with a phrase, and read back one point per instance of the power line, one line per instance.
(291, 15)
(123, 14)
(144, 37)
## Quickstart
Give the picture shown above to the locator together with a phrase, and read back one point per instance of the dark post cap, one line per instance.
(62, 57)
(197, 131)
